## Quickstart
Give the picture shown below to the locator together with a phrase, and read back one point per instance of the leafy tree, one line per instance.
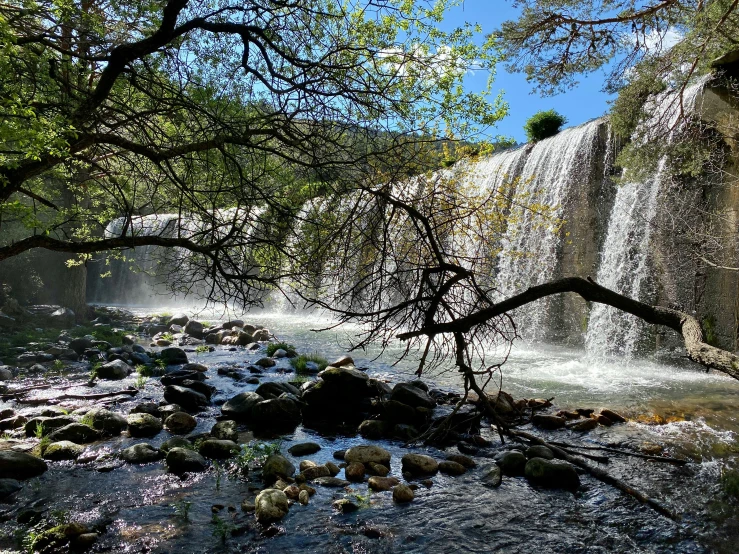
(543, 125)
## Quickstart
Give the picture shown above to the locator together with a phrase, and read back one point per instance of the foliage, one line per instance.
(222, 528)
(299, 363)
(87, 419)
(255, 453)
(730, 482)
(39, 431)
(144, 371)
(543, 125)
(273, 347)
(182, 510)
(140, 381)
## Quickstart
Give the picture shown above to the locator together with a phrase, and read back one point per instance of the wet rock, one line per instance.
(491, 476)
(397, 412)
(367, 453)
(187, 398)
(218, 449)
(342, 361)
(143, 425)
(551, 422)
(552, 474)
(275, 389)
(46, 425)
(225, 430)
(8, 487)
(466, 461)
(194, 367)
(19, 465)
(182, 460)
(84, 541)
(277, 466)
(407, 393)
(344, 506)
(241, 406)
(178, 319)
(403, 493)
(511, 462)
(613, 416)
(63, 317)
(142, 453)
(194, 328)
(331, 482)
(355, 472)
(266, 362)
(15, 422)
(405, 432)
(270, 505)
(601, 420)
(344, 377)
(6, 413)
(117, 369)
(304, 498)
(5, 373)
(584, 425)
(315, 472)
(163, 412)
(146, 408)
(539, 451)
(175, 442)
(373, 468)
(63, 450)
(76, 432)
(107, 422)
(173, 356)
(377, 483)
(81, 344)
(419, 464)
(233, 323)
(276, 413)
(452, 468)
(373, 429)
(304, 449)
(339, 454)
(180, 423)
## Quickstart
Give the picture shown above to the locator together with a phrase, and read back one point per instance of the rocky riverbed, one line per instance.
(195, 437)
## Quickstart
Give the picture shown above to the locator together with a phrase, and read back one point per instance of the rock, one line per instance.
(178, 319)
(452, 468)
(552, 474)
(141, 453)
(181, 460)
(19, 465)
(403, 493)
(233, 323)
(173, 356)
(397, 412)
(492, 475)
(225, 430)
(315, 472)
(270, 505)
(194, 328)
(218, 449)
(304, 498)
(406, 393)
(419, 464)
(107, 422)
(345, 377)
(240, 407)
(180, 423)
(8, 487)
(275, 389)
(344, 506)
(265, 362)
(373, 468)
(466, 461)
(194, 367)
(511, 462)
(146, 408)
(304, 449)
(187, 398)
(75, 432)
(63, 317)
(276, 466)
(143, 425)
(46, 424)
(367, 453)
(342, 361)
(551, 422)
(354, 472)
(15, 422)
(175, 442)
(280, 353)
(377, 483)
(404, 432)
(292, 492)
(584, 425)
(63, 450)
(5, 373)
(539, 451)
(331, 482)
(373, 429)
(276, 413)
(613, 416)
(114, 370)
(163, 412)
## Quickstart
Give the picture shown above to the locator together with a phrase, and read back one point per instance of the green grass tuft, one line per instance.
(299, 363)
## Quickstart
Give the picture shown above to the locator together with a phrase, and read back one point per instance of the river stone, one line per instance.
(15, 422)
(75, 432)
(584, 425)
(173, 356)
(354, 472)
(81, 344)
(492, 476)
(373, 429)
(402, 493)
(117, 369)
(274, 389)
(46, 424)
(551, 422)
(539, 451)
(265, 362)
(277, 466)
(412, 396)
(613, 416)
(181, 460)
(194, 328)
(19, 465)
(63, 450)
(142, 453)
(466, 461)
(194, 367)
(373, 468)
(305, 464)
(178, 319)
(185, 397)
(175, 442)
(452, 468)
(143, 425)
(331, 482)
(511, 462)
(377, 483)
(10, 486)
(552, 473)
(397, 412)
(344, 377)
(63, 317)
(333, 469)
(304, 449)
(198, 386)
(342, 361)
(315, 472)
(180, 423)
(304, 497)
(218, 449)
(109, 423)
(225, 430)
(163, 412)
(419, 464)
(270, 505)
(367, 453)
(5, 373)
(146, 408)
(276, 412)
(240, 407)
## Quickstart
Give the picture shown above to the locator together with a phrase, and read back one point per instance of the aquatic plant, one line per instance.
(300, 363)
(223, 528)
(273, 347)
(182, 510)
(256, 452)
(140, 381)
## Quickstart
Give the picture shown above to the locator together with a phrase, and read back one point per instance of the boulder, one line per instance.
(180, 423)
(466, 461)
(143, 425)
(275, 389)
(63, 317)
(277, 466)
(545, 421)
(270, 505)
(377, 483)
(373, 468)
(343, 361)
(19, 465)
(584, 425)
(373, 429)
(8, 487)
(194, 328)
(178, 319)
(14, 422)
(419, 464)
(344, 506)
(117, 369)
(367, 453)
(46, 424)
(331, 482)
(75, 432)
(187, 398)
(63, 450)
(173, 356)
(146, 408)
(452, 468)
(491, 475)
(141, 453)
(613, 416)
(5, 373)
(194, 367)
(266, 362)
(397, 412)
(345, 377)
(539, 451)
(304, 449)
(241, 406)
(107, 422)
(511, 462)
(233, 323)
(175, 442)
(181, 460)
(354, 472)
(315, 472)
(225, 430)
(218, 449)
(402, 493)
(552, 474)
(275, 413)
(407, 393)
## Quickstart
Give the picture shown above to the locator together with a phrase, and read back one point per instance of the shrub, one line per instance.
(542, 125)
(273, 347)
(299, 363)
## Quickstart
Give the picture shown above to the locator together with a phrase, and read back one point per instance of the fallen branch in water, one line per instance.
(664, 459)
(36, 401)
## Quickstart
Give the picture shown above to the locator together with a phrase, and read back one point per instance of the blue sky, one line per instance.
(579, 104)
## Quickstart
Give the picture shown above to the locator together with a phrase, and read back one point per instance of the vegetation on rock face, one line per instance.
(543, 125)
